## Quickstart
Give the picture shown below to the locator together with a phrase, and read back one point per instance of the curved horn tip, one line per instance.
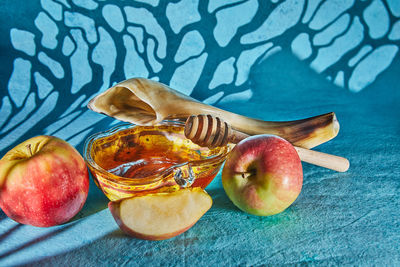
(335, 123)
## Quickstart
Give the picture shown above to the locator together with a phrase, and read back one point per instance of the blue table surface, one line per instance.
(273, 60)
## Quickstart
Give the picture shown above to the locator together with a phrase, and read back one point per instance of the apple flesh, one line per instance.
(263, 175)
(43, 182)
(162, 215)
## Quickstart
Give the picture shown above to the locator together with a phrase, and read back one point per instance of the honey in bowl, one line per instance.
(129, 160)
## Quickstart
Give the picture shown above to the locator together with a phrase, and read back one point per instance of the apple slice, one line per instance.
(161, 216)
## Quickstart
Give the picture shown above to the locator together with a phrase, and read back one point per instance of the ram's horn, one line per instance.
(146, 102)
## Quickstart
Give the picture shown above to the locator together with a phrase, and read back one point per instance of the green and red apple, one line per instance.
(263, 175)
(160, 216)
(43, 182)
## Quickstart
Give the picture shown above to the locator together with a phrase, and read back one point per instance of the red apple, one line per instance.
(43, 182)
(263, 175)
(162, 215)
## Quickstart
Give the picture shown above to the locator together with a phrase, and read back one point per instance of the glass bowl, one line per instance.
(130, 160)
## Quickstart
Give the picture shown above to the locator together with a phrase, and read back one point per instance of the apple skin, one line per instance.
(115, 211)
(263, 175)
(44, 182)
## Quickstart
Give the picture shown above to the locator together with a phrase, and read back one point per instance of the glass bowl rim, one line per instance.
(152, 178)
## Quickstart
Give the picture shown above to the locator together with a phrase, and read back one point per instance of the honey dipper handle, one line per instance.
(321, 159)
(328, 161)
(211, 131)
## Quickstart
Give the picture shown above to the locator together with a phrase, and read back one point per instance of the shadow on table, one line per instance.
(96, 201)
(221, 200)
(8, 232)
(32, 242)
(118, 249)
(2, 215)
(115, 249)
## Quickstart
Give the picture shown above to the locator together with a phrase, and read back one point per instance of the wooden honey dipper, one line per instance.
(210, 131)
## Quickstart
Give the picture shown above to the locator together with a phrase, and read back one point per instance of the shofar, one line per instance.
(146, 102)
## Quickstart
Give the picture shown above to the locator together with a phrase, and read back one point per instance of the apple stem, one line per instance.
(29, 147)
(246, 174)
